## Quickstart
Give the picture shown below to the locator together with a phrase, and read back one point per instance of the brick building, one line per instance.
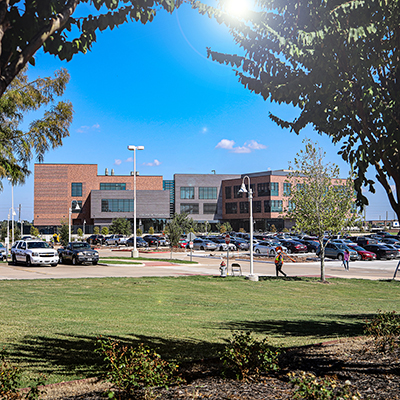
(95, 199)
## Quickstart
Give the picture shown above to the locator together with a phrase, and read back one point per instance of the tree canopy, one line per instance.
(120, 226)
(18, 147)
(337, 62)
(62, 27)
(320, 201)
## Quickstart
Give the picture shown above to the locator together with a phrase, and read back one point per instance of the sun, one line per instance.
(237, 8)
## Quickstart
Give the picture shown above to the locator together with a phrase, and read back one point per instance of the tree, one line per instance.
(120, 226)
(34, 231)
(174, 232)
(64, 234)
(80, 232)
(18, 147)
(104, 230)
(28, 25)
(151, 230)
(337, 62)
(320, 201)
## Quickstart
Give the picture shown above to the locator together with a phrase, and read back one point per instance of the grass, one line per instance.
(51, 326)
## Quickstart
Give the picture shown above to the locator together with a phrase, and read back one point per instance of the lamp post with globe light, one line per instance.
(135, 252)
(243, 189)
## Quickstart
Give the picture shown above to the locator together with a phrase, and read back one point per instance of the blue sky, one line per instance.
(153, 85)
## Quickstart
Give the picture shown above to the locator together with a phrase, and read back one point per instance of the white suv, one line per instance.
(34, 252)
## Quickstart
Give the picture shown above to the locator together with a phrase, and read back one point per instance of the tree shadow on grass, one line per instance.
(76, 356)
(346, 325)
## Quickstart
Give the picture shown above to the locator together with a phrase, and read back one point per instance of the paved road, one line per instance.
(207, 265)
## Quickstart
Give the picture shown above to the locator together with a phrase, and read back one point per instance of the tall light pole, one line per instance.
(75, 206)
(12, 210)
(243, 189)
(135, 252)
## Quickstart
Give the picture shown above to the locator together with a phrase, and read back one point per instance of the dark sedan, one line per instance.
(382, 252)
(294, 246)
(95, 239)
(140, 242)
(152, 240)
(312, 245)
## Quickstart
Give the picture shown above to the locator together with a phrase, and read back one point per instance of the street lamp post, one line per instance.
(12, 208)
(243, 189)
(135, 252)
(74, 206)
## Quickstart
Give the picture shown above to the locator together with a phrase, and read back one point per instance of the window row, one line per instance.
(269, 206)
(117, 205)
(76, 187)
(262, 190)
(193, 208)
(205, 193)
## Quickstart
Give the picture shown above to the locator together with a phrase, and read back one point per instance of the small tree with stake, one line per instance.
(320, 201)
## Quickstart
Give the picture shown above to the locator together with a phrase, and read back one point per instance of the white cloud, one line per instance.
(117, 162)
(225, 144)
(155, 163)
(129, 159)
(86, 129)
(248, 147)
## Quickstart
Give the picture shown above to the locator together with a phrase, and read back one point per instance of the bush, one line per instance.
(385, 329)
(244, 356)
(133, 369)
(151, 231)
(10, 376)
(310, 387)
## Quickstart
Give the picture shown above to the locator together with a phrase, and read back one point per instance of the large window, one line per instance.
(236, 193)
(207, 193)
(187, 193)
(268, 189)
(231, 208)
(244, 207)
(209, 208)
(287, 189)
(228, 192)
(76, 189)
(257, 206)
(190, 208)
(117, 205)
(274, 188)
(112, 186)
(273, 206)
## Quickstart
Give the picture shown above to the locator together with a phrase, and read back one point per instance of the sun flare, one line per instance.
(237, 8)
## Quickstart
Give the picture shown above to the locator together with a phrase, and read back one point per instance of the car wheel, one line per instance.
(28, 262)
(201, 248)
(258, 251)
(13, 260)
(74, 261)
(272, 253)
(359, 258)
(289, 251)
(340, 257)
(53, 265)
(94, 262)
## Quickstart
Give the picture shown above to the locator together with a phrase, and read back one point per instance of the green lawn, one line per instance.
(51, 326)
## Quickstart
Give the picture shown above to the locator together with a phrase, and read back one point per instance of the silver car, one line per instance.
(204, 244)
(268, 248)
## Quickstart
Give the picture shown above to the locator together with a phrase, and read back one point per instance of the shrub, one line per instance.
(132, 369)
(310, 387)
(151, 231)
(385, 329)
(244, 356)
(10, 376)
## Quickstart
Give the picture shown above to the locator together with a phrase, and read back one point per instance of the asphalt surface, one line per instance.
(208, 264)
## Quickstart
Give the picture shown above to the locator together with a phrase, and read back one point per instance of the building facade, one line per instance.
(95, 200)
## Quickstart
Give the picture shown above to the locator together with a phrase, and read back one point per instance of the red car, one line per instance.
(362, 253)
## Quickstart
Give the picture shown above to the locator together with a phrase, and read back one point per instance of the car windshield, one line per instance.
(81, 246)
(38, 245)
(358, 248)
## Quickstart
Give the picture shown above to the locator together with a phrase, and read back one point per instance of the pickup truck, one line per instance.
(115, 240)
(78, 253)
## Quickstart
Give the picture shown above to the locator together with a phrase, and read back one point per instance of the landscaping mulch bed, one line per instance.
(373, 374)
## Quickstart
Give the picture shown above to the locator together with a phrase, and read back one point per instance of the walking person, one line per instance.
(346, 260)
(279, 263)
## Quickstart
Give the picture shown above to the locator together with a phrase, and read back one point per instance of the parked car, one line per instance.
(140, 242)
(115, 240)
(365, 240)
(362, 253)
(393, 247)
(240, 244)
(78, 253)
(152, 240)
(3, 252)
(312, 245)
(391, 240)
(162, 240)
(33, 252)
(266, 247)
(95, 239)
(293, 246)
(221, 244)
(204, 244)
(336, 251)
(381, 251)
(183, 243)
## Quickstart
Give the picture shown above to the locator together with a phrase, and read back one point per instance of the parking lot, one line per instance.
(208, 264)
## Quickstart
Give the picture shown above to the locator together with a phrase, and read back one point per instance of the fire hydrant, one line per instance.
(222, 268)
